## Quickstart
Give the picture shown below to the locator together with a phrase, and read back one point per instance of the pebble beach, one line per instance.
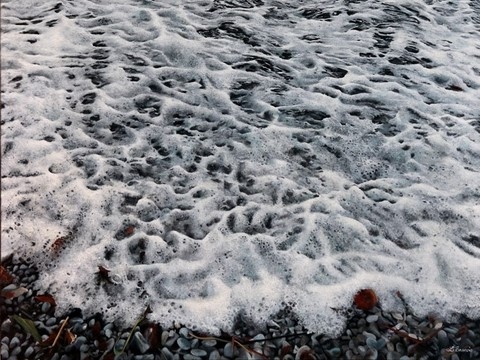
(221, 179)
(372, 334)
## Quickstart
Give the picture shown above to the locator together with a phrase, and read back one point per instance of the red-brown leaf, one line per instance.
(46, 298)
(69, 337)
(154, 335)
(365, 299)
(58, 245)
(129, 230)
(5, 277)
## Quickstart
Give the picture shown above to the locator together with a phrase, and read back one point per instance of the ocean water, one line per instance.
(228, 158)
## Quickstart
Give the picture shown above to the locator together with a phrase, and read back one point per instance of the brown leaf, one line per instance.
(154, 336)
(365, 299)
(103, 274)
(58, 245)
(69, 337)
(50, 340)
(96, 329)
(47, 298)
(5, 277)
(129, 230)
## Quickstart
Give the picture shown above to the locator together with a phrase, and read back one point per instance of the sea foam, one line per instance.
(234, 158)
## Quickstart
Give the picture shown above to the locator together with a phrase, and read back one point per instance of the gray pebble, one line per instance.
(209, 343)
(401, 348)
(184, 344)
(140, 342)
(335, 352)
(167, 354)
(191, 357)
(185, 333)
(371, 343)
(45, 307)
(108, 333)
(16, 351)
(228, 350)
(215, 355)
(198, 352)
(5, 340)
(79, 327)
(6, 326)
(442, 339)
(14, 342)
(372, 318)
(164, 337)
(119, 345)
(51, 321)
(145, 357)
(4, 354)
(29, 351)
(393, 356)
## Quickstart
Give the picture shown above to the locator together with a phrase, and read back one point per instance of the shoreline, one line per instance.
(373, 334)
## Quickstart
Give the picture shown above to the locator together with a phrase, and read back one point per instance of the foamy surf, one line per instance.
(235, 157)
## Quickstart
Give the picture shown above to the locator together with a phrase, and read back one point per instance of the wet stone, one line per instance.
(140, 343)
(198, 352)
(442, 339)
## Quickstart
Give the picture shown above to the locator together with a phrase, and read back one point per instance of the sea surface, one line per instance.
(226, 158)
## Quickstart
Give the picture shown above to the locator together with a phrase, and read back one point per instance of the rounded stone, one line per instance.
(14, 342)
(198, 352)
(215, 355)
(184, 344)
(442, 339)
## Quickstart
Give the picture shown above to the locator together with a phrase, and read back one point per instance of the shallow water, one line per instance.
(239, 157)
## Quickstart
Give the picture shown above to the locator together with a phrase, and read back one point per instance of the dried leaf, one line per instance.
(58, 245)
(28, 326)
(47, 298)
(154, 336)
(69, 337)
(5, 277)
(103, 274)
(13, 293)
(129, 230)
(50, 340)
(365, 299)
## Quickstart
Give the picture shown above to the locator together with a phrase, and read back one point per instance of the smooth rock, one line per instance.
(209, 343)
(140, 343)
(14, 342)
(184, 344)
(4, 354)
(16, 351)
(51, 321)
(167, 354)
(198, 352)
(443, 340)
(45, 307)
(214, 355)
(29, 352)
(228, 350)
(144, 357)
(191, 357)
(185, 333)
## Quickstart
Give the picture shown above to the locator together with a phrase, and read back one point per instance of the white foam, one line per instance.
(222, 160)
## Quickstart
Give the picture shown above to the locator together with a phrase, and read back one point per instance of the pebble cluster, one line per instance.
(373, 334)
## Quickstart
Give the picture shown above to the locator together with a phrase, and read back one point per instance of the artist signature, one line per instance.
(456, 349)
